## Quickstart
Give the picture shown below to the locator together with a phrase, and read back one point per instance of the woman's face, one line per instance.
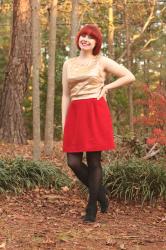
(86, 42)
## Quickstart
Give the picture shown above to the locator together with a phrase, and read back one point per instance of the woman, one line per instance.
(86, 120)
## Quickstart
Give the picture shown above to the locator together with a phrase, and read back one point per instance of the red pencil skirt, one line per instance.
(88, 126)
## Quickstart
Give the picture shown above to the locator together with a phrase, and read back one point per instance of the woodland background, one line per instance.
(134, 34)
(41, 202)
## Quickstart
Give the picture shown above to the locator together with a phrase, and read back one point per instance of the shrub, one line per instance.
(19, 175)
(136, 180)
(153, 114)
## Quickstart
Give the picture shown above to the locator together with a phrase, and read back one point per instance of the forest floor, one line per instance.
(43, 219)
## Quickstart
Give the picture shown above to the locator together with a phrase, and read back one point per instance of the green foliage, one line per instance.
(20, 175)
(118, 104)
(136, 180)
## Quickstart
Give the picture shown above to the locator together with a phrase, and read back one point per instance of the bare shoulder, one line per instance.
(107, 63)
(69, 60)
(106, 60)
(111, 66)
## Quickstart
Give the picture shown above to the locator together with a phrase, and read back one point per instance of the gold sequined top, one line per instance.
(85, 81)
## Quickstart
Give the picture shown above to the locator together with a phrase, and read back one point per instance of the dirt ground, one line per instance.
(52, 220)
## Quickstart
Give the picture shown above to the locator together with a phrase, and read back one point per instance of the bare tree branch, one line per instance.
(152, 152)
(138, 36)
(148, 42)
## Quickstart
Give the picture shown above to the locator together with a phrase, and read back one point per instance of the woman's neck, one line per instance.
(86, 54)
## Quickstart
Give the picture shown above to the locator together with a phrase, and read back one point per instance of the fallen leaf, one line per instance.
(3, 245)
(65, 189)
(122, 246)
(1, 211)
(97, 225)
(111, 242)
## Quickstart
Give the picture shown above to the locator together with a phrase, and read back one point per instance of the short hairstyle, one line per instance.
(94, 31)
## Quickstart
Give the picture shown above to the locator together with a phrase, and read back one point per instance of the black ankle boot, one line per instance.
(104, 204)
(91, 211)
(103, 199)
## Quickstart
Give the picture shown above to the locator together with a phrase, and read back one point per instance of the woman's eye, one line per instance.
(90, 37)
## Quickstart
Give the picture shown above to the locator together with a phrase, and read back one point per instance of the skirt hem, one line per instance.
(89, 149)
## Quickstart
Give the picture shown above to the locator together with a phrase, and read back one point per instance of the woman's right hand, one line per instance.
(102, 93)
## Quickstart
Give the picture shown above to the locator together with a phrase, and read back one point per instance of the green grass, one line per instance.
(136, 180)
(20, 175)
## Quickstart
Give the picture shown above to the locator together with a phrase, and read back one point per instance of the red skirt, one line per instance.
(88, 126)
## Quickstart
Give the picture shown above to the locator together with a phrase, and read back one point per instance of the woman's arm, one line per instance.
(65, 95)
(123, 74)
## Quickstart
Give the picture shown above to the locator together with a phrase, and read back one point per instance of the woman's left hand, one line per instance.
(102, 93)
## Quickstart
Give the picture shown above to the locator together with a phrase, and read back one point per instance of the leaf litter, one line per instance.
(47, 219)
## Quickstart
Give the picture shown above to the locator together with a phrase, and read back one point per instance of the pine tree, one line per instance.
(17, 75)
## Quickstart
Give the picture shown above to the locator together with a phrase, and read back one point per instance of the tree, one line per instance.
(128, 49)
(154, 116)
(147, 47)
(17, 75)
(110, 30)
(5, 29)
(49, 124)
(138, 36)
(35, 77)
(74, 27)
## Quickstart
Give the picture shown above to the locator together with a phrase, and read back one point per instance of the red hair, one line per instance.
(94, 31)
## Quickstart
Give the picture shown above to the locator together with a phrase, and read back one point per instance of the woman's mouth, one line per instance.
(85, 43)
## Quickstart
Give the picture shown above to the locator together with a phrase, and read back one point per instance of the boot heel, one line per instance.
(90, 215)
(104, 205)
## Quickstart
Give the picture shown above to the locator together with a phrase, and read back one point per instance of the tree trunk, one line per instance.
(110, 95)
(35, 78)
(130, 88)
(110, 30)
(49, 125)
(74, 27)
(16, 76)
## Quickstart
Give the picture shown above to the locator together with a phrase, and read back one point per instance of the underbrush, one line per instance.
(128, 180)
(127, 147)
(134, 180)
(21, 175)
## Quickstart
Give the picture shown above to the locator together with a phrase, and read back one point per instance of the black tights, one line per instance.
(90, 174)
